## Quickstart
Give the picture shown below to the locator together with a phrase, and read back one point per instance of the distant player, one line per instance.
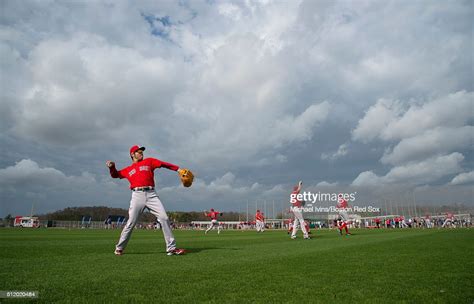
(377, 222)
(428, 221)
(449, 220)
(403, 223)
(259, 221)
(342, 224)
(290, 226)
(343, 219)
(214, 223)
(306, 225)
(296, 207)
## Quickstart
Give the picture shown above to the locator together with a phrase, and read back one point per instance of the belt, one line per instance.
(149, 188)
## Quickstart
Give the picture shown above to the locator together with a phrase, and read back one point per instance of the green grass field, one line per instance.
(371, 266)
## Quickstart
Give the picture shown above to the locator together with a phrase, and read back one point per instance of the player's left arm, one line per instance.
(300, 184)
(156, 163)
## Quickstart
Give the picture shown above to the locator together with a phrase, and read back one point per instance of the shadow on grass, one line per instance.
(197, 250)
(188, 250)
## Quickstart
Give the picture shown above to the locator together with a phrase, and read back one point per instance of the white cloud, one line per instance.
(453, 110)
(463, 178)
(387, 120)
(326, 184)
(377, 118)
(414, 173)
(27, 174)
(433, 129)
(48, 188)
(230, 10)
(341, 151)
(435, 141)
(98, 96)
(225, 181)
(367, 178)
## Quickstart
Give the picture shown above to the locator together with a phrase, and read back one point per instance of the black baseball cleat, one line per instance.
(176, 251)
(118, 252)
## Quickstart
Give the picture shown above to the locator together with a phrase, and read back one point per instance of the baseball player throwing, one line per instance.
(259, 221)
(296, 207)
(343, 218)
(449, 220)
(140, 174)
(214, 223)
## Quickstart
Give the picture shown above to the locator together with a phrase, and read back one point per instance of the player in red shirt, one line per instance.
(259, 221)
(377, 222)
(428, 221)
(290, 226)
(296, 207)
(343, 218)
(449, 220)
(214, 223)
(403, 223)
(140, 174)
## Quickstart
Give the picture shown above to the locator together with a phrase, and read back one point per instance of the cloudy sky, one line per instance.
(349, 96)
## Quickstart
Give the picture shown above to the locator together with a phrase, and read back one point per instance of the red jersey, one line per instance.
(297, 202)
(259, 216)
(213, 215)
(140, 174)
(450, 216)
(341, 203)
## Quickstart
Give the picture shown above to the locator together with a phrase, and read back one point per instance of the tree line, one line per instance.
(101, 213)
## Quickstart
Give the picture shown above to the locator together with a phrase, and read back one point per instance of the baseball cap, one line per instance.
(136, 148)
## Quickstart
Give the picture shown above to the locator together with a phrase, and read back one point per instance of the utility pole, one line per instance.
(414, 203)
(247, 210)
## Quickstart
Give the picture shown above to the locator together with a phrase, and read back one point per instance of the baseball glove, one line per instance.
(186, 177)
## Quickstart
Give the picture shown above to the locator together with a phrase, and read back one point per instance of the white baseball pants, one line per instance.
(447, 222)
(299, 221)
(344, 215)
(140, 201)
(260, 226)
(213, 224)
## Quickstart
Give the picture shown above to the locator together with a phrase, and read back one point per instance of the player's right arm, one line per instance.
(113, 170)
